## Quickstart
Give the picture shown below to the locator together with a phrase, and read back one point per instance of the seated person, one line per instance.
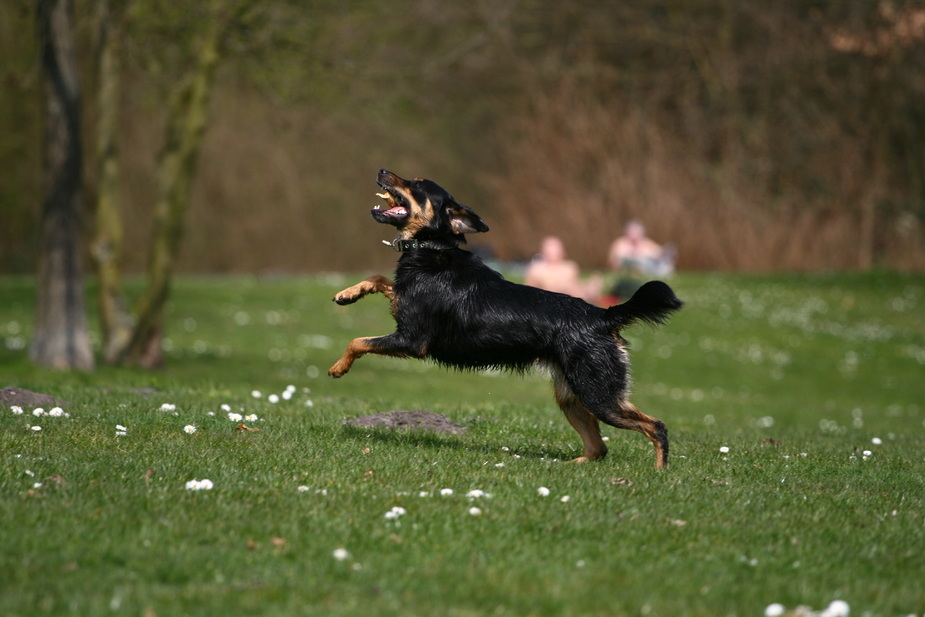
(635, 253)
(550, 270)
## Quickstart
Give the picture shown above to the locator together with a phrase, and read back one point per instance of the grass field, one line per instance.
(814, 383)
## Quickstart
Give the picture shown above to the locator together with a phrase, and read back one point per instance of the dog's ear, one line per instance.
(463, 220)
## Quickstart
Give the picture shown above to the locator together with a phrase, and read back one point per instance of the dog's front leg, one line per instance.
(374, 284)
(389, 345)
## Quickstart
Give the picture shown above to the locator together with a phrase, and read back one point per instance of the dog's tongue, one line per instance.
(393, 210)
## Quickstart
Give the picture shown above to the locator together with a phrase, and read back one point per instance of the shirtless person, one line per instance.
(637, 253)
(550, 270)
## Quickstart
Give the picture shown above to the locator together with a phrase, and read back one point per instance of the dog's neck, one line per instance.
(408, 246)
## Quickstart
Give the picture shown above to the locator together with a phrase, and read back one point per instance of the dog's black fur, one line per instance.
(451, 307)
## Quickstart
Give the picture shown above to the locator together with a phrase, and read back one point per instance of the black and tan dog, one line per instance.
(452, 308)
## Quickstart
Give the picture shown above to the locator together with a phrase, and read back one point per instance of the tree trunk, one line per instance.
(186, 125)
(61, 339)
(115, 319)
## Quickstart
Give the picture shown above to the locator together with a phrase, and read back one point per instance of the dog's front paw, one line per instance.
(344, 299)
(337, 371)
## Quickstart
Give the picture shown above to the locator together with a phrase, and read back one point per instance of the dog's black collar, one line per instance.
(407, 246)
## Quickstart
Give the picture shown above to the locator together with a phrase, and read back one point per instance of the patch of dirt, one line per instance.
(24, 398)
(417, 419)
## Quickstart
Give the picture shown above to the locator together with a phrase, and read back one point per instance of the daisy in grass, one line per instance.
(473, 511)
(542, 491)
(189, 429)
(56, 412)
(273, 398)
(36, 428)
(199, 485)
(395, 513)
(251, 417)
(167, 407)
(724, 449)
(17, 410)
(121, 431)
(477, 494)
(446, 492)
(235, 417)
(340, 554)
(38, 412)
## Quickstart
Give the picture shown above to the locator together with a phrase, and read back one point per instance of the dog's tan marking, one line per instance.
(374, 284)
(581, 420)
(653, 428)
(359, 347)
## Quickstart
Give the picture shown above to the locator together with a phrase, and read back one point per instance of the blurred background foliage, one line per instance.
(752, 135)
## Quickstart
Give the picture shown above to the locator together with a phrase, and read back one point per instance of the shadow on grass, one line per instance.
(437, 441)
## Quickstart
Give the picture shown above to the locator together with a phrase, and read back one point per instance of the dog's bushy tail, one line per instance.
(652, 303)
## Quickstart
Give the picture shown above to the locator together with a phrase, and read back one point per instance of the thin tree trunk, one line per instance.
(61, 339)
(186, 125)
(115, 319)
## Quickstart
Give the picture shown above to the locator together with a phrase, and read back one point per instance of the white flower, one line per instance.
(395, 513)
(340, 554)
(424, 494)
(273, 398)
(56, 412)
(38, 412)
(235, 417)
(542, 491)
(837, 608)
(189, 429)
(477, 493)
(565, 499)
(287, 395)
(256, 394)
(724, 449)
(876, 441)
(774, 610)
(446, 492)
(199, 485)
(866, 454)
(251, 417)
(121, 431)
(168, 407)
(473, 511)
(37, 485)
(226, 407)
(30, 473)
(17, 410)
(303, 489)
(36, 428)
(499, 464)
(309, 403)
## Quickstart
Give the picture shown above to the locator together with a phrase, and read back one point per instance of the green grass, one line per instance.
(794, 374)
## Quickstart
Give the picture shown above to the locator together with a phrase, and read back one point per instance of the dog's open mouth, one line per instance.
(394, 211)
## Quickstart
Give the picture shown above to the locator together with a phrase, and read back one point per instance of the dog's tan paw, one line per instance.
(343, 298)
(337, 371)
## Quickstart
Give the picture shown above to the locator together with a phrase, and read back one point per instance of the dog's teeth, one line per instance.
(376, 207)
(382, 195)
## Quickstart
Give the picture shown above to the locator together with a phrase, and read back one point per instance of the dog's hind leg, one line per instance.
(374, 284)
(627, 416)
(606, 399)
(581, 420)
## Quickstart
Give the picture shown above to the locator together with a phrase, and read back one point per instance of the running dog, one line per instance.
(451, 307)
